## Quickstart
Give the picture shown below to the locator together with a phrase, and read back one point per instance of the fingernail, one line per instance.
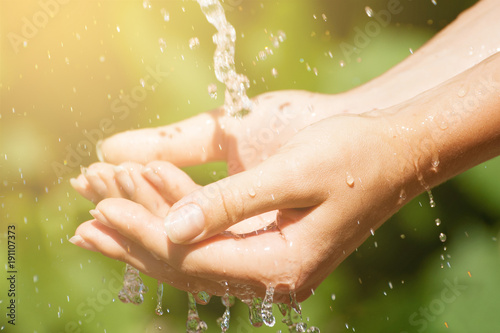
(98, 151)
(80, 242)
(96, 213)
(75, 183)
(124, 180)
(95, 181)
(185, 223)
(152, 176)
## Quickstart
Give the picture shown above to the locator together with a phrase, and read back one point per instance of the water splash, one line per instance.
(159, 301)
(133, 288)
(194, 324)
(236, 101)
(255, 311)
(267, 308)
(228, 302)
(286, 312)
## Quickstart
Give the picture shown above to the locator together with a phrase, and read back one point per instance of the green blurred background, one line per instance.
(61, 81)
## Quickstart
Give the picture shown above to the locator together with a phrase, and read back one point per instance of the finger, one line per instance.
(196, 140)
(171, 182)
(253, 261)
(278, 183)
(99, 182)
(82, 186)
(94, 236)
(129, 177)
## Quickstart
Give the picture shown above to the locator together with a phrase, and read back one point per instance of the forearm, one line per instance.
(451, 128)
(471, 38)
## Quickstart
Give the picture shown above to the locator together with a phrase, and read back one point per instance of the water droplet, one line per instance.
(301, 327)
(146, 4)
(163, 44)
(342, 63)
(313, 329)
(442, 237)
(372, 231)
(165, 14)
(194, 43)
(333, 297)
(274, 72)
(369, 11)
(349, 179)
(204, 297)
(251, 192)
(262, 55)
(267, 308)
(431, 199)
(133, 288)
(434, 2)
(159, 297)
(462, 91)
(438, 222)
(212, 90)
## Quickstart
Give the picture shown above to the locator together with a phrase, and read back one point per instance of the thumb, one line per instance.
(212, 209)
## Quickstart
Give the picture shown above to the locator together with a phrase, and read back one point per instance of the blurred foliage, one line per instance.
(60, 86)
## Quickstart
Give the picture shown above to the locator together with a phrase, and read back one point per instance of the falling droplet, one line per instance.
(212, 90)
(194, 324)
(431, 199)
(194, 43)
(313, 329)
(442, 237)
(438, 222)
(163, 44)
(146, 4)
(165, 14)
(369, 11)
(286, 311)
(434, 2)
(349, 179)
(254, 311)
(159, 297)
(227, 301)
(372, 232)
(267, 308)
(133, 288)
(274, 72)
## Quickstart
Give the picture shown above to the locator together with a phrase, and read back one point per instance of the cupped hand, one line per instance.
(325, 187)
